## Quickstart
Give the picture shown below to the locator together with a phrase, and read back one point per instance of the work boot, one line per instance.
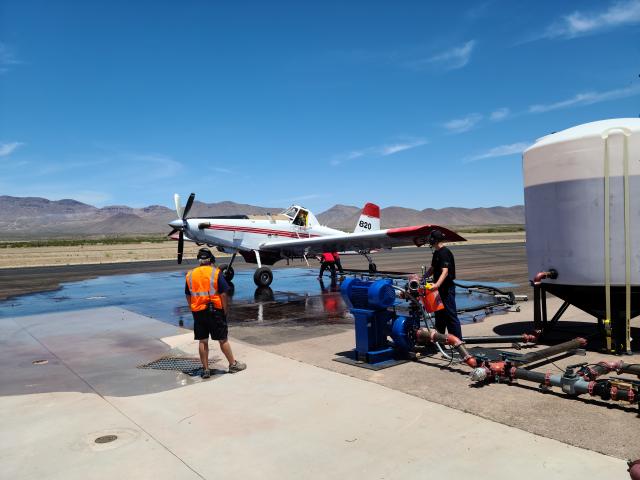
(237, 367)
(206, 373)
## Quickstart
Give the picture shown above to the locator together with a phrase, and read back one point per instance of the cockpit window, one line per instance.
(301, 218)
(290, 212)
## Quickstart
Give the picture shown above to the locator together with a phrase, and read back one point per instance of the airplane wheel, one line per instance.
(373, 268)
(263, 277)
(227, 271)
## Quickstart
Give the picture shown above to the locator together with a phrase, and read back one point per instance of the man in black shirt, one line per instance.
(443, 268)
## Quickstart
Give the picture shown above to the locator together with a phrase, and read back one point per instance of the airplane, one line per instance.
(292, 234)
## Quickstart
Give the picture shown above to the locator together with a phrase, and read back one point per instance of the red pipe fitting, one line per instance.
(497, 368)
(612, 366)
(453, 341)
(531, 337)
(552, 274)
(471, 361)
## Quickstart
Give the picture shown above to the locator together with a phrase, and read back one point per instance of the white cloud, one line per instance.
(386, 150)
(8, 148)
(500, 151)
(499, 114)
(453, 58)
(464, 124)
(577, 24)
(378, 151)
(7, 58)
(587, 98)
(222, 170)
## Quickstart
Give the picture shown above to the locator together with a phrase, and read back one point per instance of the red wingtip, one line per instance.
(371, 210)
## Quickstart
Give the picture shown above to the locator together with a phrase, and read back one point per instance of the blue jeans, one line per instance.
(447, 318)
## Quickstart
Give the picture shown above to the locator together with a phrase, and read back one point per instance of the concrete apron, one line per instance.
(278, 419)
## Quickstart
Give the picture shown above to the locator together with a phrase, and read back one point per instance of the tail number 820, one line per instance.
(364, 224)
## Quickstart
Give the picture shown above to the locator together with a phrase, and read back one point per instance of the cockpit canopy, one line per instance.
(300, 216)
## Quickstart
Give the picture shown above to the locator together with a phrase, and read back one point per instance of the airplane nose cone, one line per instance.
(177, 224)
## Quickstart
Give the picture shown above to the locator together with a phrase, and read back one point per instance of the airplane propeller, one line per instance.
(181, 225)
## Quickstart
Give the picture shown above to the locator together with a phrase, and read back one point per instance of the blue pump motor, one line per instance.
(369, 302)
(367, 295)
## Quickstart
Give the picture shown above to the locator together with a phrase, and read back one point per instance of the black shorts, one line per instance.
(207, 322)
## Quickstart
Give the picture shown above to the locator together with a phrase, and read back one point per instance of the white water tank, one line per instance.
(564, 180)
(582, 210)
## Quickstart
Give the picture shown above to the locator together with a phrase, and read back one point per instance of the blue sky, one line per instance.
(415, 104)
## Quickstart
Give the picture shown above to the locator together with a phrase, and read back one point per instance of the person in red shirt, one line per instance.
(336, 259)
(327, 262)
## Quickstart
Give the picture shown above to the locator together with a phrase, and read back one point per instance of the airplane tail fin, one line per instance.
(369, 219)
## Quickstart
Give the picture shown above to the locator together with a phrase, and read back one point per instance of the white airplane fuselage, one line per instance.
(293, 233)
(234, 235)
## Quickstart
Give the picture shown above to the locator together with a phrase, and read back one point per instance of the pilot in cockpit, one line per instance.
(301, 218)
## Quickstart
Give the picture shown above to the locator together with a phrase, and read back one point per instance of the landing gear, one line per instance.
(263, 277)
(227, 270)
(372, 266)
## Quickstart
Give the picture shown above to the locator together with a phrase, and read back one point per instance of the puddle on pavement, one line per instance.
(296, 298)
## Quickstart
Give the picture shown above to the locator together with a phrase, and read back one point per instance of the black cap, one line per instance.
(205, 254)
(434, 237)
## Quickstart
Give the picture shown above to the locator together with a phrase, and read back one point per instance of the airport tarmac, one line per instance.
(498, 262)
(295, 410)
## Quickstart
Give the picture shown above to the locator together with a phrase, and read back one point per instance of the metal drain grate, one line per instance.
(187, 365)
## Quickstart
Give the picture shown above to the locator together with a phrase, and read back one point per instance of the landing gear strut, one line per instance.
(263, 275)
(372, 266)
(227, 270)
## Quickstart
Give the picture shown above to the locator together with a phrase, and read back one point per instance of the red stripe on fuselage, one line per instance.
(261, 231)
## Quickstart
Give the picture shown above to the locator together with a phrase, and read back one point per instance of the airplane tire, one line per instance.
(263, 277)
(227, 271)
(373, 268)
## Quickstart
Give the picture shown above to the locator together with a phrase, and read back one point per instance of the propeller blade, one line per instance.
(180, 246)
(175, 230)
(188, 206)
(176, 201)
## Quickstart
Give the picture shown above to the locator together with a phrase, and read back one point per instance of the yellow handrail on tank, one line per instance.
(607, 237)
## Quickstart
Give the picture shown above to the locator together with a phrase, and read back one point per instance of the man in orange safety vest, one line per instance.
(206, 292)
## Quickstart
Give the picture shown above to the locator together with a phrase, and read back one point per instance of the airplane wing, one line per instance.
(359, 241)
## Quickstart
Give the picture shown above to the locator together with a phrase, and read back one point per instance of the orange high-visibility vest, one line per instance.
(203, 285)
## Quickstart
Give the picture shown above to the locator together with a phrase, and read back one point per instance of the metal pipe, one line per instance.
(552, 274)
(591, 372)
(550, 351)
(424, 336)
(633, 368)
(570, 382)
(524, 338)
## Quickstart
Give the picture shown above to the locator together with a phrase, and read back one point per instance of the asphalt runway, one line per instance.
(488, 262)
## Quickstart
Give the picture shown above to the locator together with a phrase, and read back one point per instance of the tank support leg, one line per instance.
(537, 307)
(558, 314)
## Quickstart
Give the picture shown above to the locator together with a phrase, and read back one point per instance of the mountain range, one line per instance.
(34, 217)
